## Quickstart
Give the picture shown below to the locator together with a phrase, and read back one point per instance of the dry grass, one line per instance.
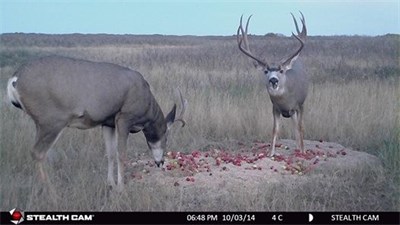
(353, 101)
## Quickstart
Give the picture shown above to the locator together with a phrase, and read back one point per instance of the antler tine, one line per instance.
(303, 33)
(304, 29)
(295, 23)
(243, 38)
(184, 104)
(301, 36)
(246, 40)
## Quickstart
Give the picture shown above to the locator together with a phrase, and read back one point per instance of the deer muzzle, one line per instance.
(274, 82)
(159, 163)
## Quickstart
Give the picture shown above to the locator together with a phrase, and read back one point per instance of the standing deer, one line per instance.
(58, 92)
(287, 83)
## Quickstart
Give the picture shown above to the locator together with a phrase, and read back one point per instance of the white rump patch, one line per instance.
(12, 93)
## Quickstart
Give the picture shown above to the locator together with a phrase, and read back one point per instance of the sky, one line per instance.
(198, 17)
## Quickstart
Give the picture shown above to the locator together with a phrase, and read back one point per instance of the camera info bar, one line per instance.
(17, 216)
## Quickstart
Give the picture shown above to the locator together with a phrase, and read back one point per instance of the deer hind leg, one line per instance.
(111, 149)
(46, 136)
(275, 130)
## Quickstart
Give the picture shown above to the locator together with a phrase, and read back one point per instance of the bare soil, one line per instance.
(212, 175)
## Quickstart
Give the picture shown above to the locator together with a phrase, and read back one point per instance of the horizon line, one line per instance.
(194, 35)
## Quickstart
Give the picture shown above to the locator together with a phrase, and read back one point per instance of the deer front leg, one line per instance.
(298, 129)
(275, 130)
(111, 149)
(122, 138)
(301, 129)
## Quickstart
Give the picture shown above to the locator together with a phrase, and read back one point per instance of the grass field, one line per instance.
(353, 100)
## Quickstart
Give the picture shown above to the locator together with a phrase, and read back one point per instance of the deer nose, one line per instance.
(159, 163)
(273, 81)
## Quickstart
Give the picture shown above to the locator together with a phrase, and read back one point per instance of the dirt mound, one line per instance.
(210, 177)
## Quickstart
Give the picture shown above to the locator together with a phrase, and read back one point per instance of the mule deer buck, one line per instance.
(287, 82)
(58, 92)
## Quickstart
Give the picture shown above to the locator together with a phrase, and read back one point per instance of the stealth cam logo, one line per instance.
(17, 216)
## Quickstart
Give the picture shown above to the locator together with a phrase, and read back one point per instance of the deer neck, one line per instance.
(156, 126)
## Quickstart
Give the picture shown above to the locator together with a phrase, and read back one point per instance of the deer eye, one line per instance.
(266, 72)
(280, 71)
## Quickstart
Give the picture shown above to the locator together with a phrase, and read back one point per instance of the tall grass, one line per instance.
(353, 100)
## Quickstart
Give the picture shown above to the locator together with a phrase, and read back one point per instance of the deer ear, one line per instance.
(170, 118)
(288, 65)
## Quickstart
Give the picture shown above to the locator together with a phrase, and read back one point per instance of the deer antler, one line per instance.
(301, 37)
(184, 104)
(303, 34)
(242, 38)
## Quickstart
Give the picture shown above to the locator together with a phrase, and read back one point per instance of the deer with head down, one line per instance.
(58, 92)
(286, 81)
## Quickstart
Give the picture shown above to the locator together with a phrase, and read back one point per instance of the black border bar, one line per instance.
(205, 218)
